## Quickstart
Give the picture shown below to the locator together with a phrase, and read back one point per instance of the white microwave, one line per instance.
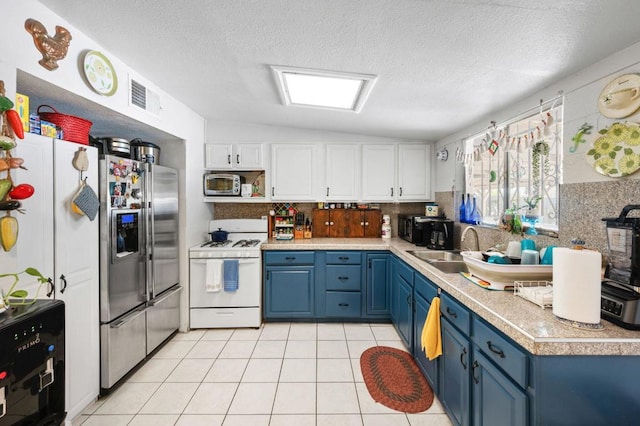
(216, 184)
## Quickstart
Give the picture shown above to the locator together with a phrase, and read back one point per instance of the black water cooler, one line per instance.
(32, 364)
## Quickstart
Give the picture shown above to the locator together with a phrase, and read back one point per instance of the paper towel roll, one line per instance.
(576, 284)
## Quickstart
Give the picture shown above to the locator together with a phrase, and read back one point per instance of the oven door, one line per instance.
(249, 291)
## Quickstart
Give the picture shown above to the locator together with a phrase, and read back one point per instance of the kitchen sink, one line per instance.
(436, 256)
(450, 267)
(450, 262)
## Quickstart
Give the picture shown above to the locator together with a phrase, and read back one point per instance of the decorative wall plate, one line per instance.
(100, 73)
(616, 150)
(621, 97)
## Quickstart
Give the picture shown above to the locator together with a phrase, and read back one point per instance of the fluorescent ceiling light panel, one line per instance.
(323, 89)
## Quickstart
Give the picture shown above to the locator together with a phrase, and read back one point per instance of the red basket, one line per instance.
(75, 129)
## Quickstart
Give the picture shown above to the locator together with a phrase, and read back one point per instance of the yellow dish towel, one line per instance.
(431, 337)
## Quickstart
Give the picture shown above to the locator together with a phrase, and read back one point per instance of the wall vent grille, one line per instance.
(144, 98)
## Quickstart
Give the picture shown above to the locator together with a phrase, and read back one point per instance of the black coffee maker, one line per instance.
(437, 234)
(620, 298)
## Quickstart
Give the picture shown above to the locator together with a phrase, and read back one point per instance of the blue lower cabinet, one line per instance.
(404, 317)
(289, 292)
(377, 291)
(429, 368)
(497, 401)
(402, 300)
(454, 374)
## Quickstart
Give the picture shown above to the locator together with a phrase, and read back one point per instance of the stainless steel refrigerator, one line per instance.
(139, 263)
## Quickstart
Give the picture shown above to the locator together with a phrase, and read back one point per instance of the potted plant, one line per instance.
(16, 297)
(511, 220)
(532, 213)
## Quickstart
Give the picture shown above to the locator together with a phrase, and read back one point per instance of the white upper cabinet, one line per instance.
(379, 172)
(293, 172)
(229, 156)
(342, 173)
(414, 172)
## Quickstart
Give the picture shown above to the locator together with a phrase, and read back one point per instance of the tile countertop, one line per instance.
(536, 329)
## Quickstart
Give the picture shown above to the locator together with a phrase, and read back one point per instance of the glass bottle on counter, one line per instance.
(475, 218)
(468, 209)
(463, 210)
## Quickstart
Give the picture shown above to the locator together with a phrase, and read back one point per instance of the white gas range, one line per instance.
(215, 300)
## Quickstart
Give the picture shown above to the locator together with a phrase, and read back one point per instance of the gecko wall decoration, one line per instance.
(53, 48)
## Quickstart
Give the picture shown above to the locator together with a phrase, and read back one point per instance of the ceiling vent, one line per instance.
(143, 97)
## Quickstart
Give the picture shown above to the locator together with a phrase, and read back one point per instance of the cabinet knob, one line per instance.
(273, 191)
(450, 312)
(229, 159)
(331, 224)
(361, 223)
(366, 224)
(343, 278)
(392, 191)
(238, 160)
(326, 223)
(327, 191)
(401, 191)
(343, 305)
(473, 372)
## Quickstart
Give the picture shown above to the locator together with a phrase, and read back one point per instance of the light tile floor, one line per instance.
(283, 374)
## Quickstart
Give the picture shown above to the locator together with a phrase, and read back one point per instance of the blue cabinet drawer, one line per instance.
(502, 352)
(343, 277)
(343, 258)
(289, 257)
(342, 304)
(425, 288)
(457, 314)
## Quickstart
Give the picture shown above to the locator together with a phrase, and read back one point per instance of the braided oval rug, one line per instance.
(394, 380)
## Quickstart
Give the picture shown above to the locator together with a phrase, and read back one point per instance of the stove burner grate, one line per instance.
(247, 243)
(216, 243)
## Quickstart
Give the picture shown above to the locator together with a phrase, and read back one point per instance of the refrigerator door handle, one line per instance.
(164, 297)
(127, 318)
(149, 231)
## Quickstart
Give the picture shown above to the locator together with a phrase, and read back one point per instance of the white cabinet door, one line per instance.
(379, 172)
(35, 228)
(227, 156)
(248, 156)
(77, 259)
(218, 156)
(342, 170)
(414, 172)
(293, 172)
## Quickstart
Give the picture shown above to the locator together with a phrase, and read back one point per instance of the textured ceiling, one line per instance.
(441, 64)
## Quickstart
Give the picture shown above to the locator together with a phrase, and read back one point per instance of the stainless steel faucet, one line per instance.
(464, 234)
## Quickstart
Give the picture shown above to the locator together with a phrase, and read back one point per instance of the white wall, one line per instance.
(17, 51)
(581, 92)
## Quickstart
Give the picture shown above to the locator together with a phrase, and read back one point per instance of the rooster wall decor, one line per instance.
(53, 48)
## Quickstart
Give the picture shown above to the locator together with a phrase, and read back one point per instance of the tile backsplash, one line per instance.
(257, 210)
(582, 207)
